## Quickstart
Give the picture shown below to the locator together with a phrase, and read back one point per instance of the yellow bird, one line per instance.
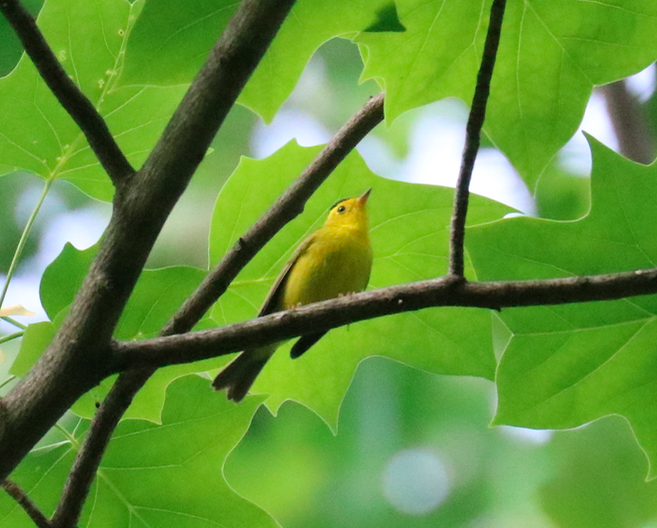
(335, 260)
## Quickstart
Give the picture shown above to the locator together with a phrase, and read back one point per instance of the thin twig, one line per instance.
(17, 493)
(17, 324)
(68, 94)
(285, 209)
(11, 337)
(320, 317)
(130, 382)
(18, 252)
(7, 381)
(472, 138)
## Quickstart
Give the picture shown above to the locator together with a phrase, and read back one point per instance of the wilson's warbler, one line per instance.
(335, 260)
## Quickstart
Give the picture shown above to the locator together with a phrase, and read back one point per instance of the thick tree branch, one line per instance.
(473, 136)
(78, 358)
(68, 94)
(285, 209)
(32, 510)
(129, 383)
(444, 291)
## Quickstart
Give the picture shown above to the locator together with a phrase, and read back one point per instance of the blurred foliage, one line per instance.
(184, 239)
(597, 480)
(291, 465)
(18, 193)
(341, 478)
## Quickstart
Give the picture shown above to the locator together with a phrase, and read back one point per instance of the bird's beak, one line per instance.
(362, 200)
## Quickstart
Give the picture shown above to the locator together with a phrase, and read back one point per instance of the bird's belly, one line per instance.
(328, 271)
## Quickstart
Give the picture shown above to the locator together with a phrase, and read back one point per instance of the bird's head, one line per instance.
(349, 212)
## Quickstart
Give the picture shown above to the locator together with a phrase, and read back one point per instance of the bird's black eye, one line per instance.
(342, 209)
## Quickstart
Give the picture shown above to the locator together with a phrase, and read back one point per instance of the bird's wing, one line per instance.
(273, 301)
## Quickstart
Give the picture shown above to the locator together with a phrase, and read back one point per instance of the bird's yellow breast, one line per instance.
(337, 261)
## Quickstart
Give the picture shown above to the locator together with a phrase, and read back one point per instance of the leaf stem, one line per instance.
(11, 337)
(14, 322)
(7, 381)
(74, 441)
(473, 137)
(21, 245)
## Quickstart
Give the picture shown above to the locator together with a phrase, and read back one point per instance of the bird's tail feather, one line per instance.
(304, 343)
(239, 375)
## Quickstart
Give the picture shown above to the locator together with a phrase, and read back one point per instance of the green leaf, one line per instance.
(41, 475)
(562, 196)
(156, 297)
(552, 53)
(155, 476)
(11, 49)
(62, 279)
(410, 232)
(38, 136)
(169, 45)
(567, 365)
(311, 23)
(35, 340)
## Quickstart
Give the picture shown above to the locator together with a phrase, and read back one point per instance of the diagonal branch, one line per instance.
(320, 317)
(130, 382)
(285, 209)
(32, 510)
(473, 136)
(68, 94)
(79, 353)
(87, 461)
